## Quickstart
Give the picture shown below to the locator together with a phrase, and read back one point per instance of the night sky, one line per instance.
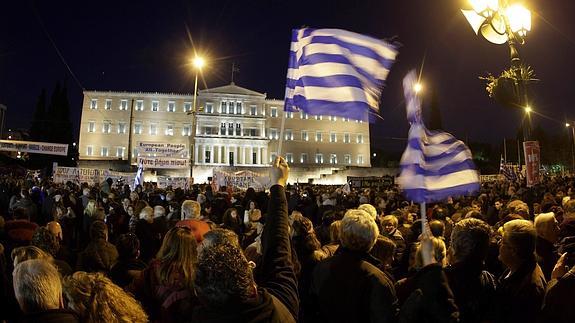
(145, 45)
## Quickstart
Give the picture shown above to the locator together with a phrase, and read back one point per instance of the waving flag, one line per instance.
(507, 171)
(139, 180)
(336, 72)
(435, 165)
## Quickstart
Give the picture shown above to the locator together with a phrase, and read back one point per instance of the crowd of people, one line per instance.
(105, 253)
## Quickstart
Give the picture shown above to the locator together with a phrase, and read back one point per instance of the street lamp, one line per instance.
(572, 126)
(198, 63)
(500, 22)
(417, 87)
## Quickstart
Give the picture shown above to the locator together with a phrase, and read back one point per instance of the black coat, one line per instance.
(520, 296)
(558, 304)
(349, 289)
(50, 316)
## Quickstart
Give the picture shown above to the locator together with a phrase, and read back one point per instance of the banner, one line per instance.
(162, 149)
(33, 147)
(163, 162)
(532, 162)
(90, 176)
(174, 182)
(491, 178)
(241, 180)
(371, 181)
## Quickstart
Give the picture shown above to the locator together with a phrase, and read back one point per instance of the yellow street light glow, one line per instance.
(199, 62)
(567, 124)
(417, 87)
(487, 7)
(519, 19)
(528, 109)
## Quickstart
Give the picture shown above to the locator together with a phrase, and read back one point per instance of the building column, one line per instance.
(196, 148)
(226, 155)
(202, 154)
(211, 154)
(265, 158)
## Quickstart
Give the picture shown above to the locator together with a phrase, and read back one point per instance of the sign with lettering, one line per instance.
(239, 180)
(370, 181)
(174, 182)
(162, 149)
(91, 176)
(163, 162)
(33, 147)
(532, 162)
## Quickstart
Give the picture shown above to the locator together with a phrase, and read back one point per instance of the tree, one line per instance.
(38, 127)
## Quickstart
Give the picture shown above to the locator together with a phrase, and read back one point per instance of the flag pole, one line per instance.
(424, 226)
(282, 133)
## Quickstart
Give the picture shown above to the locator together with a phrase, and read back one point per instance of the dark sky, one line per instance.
(144, 46)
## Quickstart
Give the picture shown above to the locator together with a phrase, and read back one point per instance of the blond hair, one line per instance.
(358, 231)
(98, 299)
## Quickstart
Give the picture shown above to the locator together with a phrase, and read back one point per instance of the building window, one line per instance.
(169, 130)
(120, 152)
(318, 117)
(121, 127)
(346, 137)
(360, 139)
(230, 107)
(289, 115)
(124, 105)
(153, 129)
(186, 130)
(209, 107)
(304, 115)
(274, 133)
(289, 158)
(319, 158)
(288, 135)
(304, 135)
(273, 112)
(223, 129)
(333, 137)
(333, 159)
(94, 104)
(91, 126)
(347, 159)
(104, 152)
(187, 106)
(108, 105)
(155, 106)
(89, 150)
(360, 159)
(318, 136)
(224, 107)
(138, 128)
(140, 105)
(239, 108)
(254, 158)
(303, 158)
(230, 129)
(346, 119)
(107, 126)
(207, 157)
(171, 106)
(253, 110)
(238, 129)
(332, 118)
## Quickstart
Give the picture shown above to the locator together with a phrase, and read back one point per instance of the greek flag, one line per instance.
(435, 165)
(336, 72)
(507, 171)
(139, 180)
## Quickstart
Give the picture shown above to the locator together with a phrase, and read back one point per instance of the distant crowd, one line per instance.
(293, 253)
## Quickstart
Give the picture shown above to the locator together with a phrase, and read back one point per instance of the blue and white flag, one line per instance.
(336, 72)
(435, 165)
(507, 171)
(139, 180)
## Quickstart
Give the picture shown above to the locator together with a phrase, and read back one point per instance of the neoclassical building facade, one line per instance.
(236, 128)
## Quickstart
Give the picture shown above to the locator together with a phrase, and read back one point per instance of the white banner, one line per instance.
(90, 176)
(174, 182)
(34, 147)
(162, 149)
(163, 162)
(239, 180)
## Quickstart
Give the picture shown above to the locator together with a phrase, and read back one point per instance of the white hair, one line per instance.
(159, 211)
(358, 230)
(370, 209)
(37, 286)
(190, 210)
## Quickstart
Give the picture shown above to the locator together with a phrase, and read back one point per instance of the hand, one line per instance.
(560, 268)
(279, 172)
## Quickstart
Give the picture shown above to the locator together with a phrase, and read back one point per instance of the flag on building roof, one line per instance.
(336, 72)
(435, 165)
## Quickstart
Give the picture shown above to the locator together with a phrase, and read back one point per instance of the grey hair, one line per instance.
(370, 209)
(358, 231)
(190, 210)
(37, 286)
(470, 240)
(521, 235)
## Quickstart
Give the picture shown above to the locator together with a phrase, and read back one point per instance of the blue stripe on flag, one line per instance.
(327, 81)
(423, 194)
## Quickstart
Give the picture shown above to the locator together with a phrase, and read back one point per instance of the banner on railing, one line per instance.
(34, 147)
(90, 176)
(174, 182)
(241, 180)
